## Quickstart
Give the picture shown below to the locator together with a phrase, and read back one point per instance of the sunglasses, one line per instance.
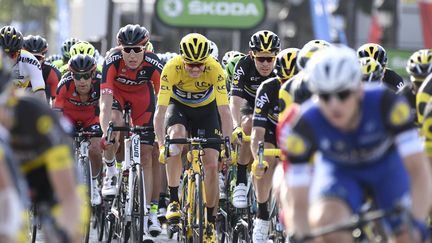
(86, 75)
(135, 49)
(341, 95)
(265, 59)
(192, 65)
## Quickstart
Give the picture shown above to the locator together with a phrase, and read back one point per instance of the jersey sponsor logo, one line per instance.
(154, 62)
(80, 103)
(222, 89)
(44, 124)
(295, 145)
(130, 82)
(191, 96)
(31, 61)
(106, 91)
(400, 114)
(111, 59)
(220, 78)
(202, 85)
(238, 73)
(164, 78)
(164, 87)
(263, 99)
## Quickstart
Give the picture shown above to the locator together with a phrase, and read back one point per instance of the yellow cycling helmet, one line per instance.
(419, 65)
(375, 51)
(149, 47)
(82, 47)
(194, 47)
(308, 50)
(286, 63)
(372, 71)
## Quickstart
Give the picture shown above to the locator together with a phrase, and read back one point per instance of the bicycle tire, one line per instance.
(184, 228)
(138, 204)
(83, 168)
(198, 210)
(33, 226)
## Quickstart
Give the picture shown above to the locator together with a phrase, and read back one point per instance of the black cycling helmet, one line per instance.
(35, 44)
(264, 41)
(133, 35)
(66, 46)
(375, 51)
(11, 39)
(82, 63)
(53, 58)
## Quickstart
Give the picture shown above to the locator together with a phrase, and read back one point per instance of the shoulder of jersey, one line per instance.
(176, 61)
(245, 60)
(426, 86)
(50, 65)
(271, 81)
(113, 57)
(153, 59)
(27, 57)
(66, 78)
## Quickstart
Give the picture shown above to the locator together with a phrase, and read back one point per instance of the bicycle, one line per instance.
(127, 209)
(276, 228)
(358, 225)
(235, 225)
(84, 169)
(193, 200)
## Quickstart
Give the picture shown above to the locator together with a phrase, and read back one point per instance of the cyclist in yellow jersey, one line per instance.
(192, 93)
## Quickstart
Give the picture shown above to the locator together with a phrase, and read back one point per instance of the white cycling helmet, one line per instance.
(227, 56)
(334, 69)
(214, 50)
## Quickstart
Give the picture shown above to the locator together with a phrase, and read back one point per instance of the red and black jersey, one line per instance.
(117, 76)
(68, 101)
(51, 76)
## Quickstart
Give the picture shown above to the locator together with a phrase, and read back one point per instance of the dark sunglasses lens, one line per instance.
(194, 65)
(265, 59)
(78, 76)
(129, 49)
(343, 95)
(324, 97)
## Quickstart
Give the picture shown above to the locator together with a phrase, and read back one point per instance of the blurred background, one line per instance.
(401, 26)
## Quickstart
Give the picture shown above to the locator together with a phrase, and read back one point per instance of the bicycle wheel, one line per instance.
(184, 230)
(84, 175)
(33, 225)
(198, 210)
(138, 204)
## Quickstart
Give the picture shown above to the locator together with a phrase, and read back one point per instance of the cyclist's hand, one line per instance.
(104, 144)
(162, 154)
(235, 134)
(258, 170)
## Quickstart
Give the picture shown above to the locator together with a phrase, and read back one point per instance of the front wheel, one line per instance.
(198, 210)
(138, 204)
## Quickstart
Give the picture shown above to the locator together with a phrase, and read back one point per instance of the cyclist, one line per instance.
(372, 70)
(192, 94)
(265, 118)
(393, 80)
(419, 67)
(41, 147)
(130, 75)
(214, 50)
(229, 69)
(26, 71)
(78, 100)
(65, 48)
(81, 47)
(38, 46)
(249, 73)
(366, 139)
(227, 56)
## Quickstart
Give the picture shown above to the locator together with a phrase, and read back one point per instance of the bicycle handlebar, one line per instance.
(134, 129)
(196, 140)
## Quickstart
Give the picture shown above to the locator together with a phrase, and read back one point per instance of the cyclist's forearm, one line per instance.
(235, 104)
(105, 111)
(227, 125)
(159, 123)
(257, 135)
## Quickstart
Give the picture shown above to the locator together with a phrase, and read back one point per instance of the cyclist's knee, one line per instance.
(177, 131)
(328, 211)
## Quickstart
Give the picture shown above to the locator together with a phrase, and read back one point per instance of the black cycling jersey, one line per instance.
(266, 112)
(393, 80)
(40, 145)
(409, 93)
(246, 80)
